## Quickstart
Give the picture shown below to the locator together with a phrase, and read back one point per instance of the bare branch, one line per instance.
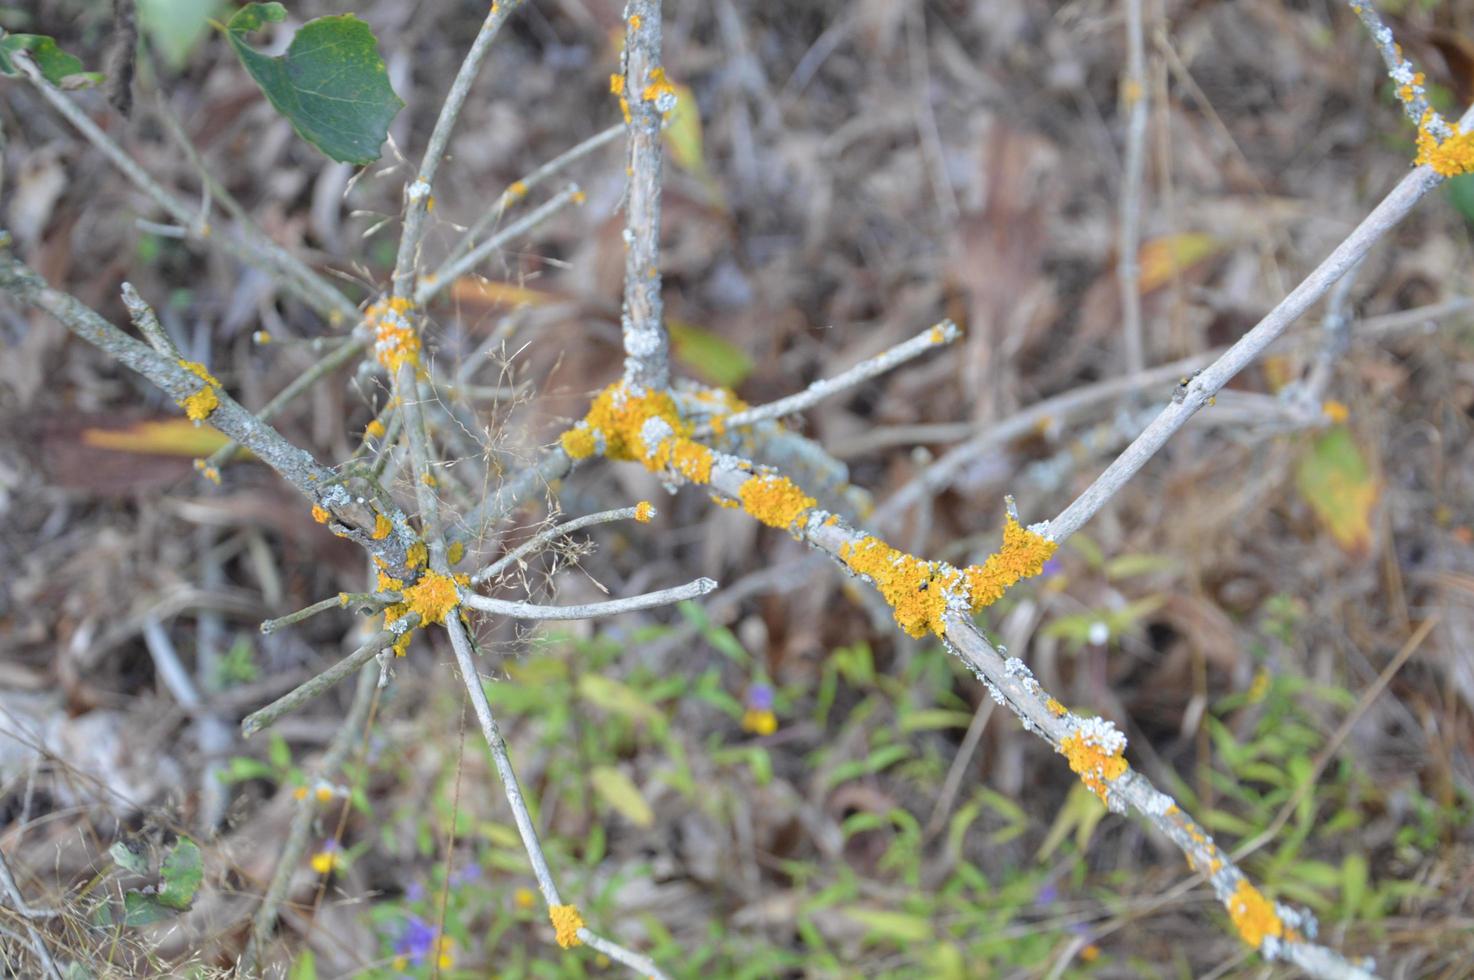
(315, 686)
(519, 189)
(431, 284)
(1128, 268)
(253, 248)
(1196, 393)
(541, 539)
(289, 859)
(417, 192)
(939, 335)
(648, 600)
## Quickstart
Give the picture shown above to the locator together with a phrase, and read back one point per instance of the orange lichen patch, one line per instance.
(566, 923)
(382, 527)
(1055, 708)
(429, 480)
(395, 341)
(375, 429)
(1095, 751)
(579, 443)
(1449, 158)
(1253, 915)
(775, 500)
(634, 22)
(685, 456)
(616, 86)
(620, 412)
(726, 503)
(517, 191)
(417, 555)
(1335, 411)
(917, 590)
(199, 405)
(1022, 556)
(387, 583)
(455, 552)
(659, 88)
(644, 511)
(432, 597)
(319, 514)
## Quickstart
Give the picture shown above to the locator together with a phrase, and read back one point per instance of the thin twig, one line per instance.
(417, 192)
(147, 322)
(346, 351)
(289, 858)
(431, 284)
(541, 539)
(646, 345)
(461, 643)
(519, 189)
(257, 250)
(26, 913)
(1128, 266)
(343, 600)
(933, 337)
(590, 610)
(1189, 398)
(317, 685)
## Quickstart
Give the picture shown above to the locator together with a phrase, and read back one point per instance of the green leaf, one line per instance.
(1334, 478)
(142, 910)
(127, 859)
(620, 792)
(181, 875)
(716, 359)
(930, 719)
(55, 64)
(619, 699)
(894, 926)
(1461, 195)
(175, 27)
(305, 968)
(331, 84)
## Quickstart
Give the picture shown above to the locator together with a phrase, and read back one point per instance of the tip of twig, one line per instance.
(706, 585)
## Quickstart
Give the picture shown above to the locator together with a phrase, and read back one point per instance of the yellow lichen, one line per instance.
(202, 403)
(1335, 411)
(518, 190)
(657, 85)
(455, 552)
(775, 500)
(429, 480)
(644, 511)
(916, 590)
(432, 597)
(1449, 158)
(319, 515)
(375, 429)
(1253, 915)
(1055, 708)
(579, 442)
(416, 555)
(616, 86)
(395, 341)
(634, 22)
(685, 456)
(382, 527)
(566, 923)
(1097, 764)
(1022, 556)
(388, 583)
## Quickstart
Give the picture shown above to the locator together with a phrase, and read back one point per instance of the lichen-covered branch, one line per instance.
(646, 96)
